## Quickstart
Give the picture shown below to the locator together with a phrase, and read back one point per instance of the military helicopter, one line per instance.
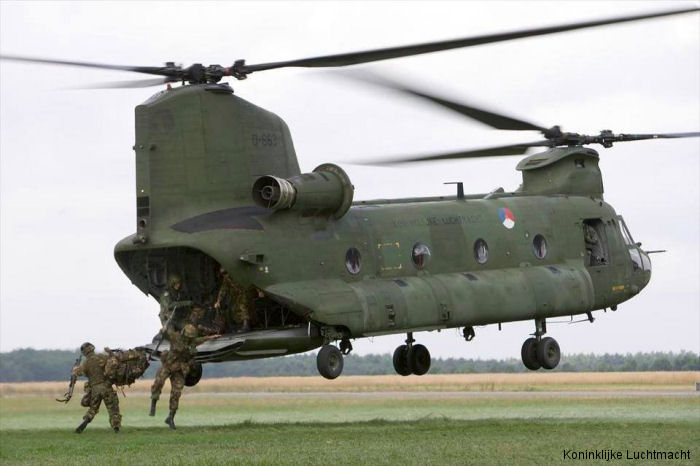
(218, 184)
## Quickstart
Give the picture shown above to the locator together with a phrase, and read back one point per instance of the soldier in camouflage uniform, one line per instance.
(175, 364)
(206, 326)
(238, 298)
(169, 298)
(594, 248)
(100, 389)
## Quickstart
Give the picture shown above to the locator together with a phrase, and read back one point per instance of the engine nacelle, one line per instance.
(325, 191)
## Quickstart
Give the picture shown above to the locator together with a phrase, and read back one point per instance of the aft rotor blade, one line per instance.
(491, 119)
(513, 149)
(47, 61)
(129, 84)
(354, 58)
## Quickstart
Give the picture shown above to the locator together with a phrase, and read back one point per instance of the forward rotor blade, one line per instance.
(492, 119)
(354, 58)
(641, 137)
(46, 61)
(513, 149)
(607, 138)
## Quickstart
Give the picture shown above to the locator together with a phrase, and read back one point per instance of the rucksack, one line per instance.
(123, 367)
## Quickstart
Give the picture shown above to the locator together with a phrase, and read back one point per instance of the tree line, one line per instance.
(30, 365)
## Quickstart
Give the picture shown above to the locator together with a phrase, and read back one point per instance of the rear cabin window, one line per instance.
(539, 246)
(352, 261)
(481, 251)
(420, 255)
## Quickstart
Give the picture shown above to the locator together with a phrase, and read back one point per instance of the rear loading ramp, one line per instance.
(251, 345)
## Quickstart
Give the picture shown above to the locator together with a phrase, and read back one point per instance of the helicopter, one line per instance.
(235, 197)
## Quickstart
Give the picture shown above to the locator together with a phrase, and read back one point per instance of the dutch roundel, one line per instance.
(507, 217)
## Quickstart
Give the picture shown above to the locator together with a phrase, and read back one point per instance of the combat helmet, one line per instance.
(190, 331)
(87, 348)
(174, 279)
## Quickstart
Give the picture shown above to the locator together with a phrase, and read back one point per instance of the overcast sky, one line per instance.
(67, 168)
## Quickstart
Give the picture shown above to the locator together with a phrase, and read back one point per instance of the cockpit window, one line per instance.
(352, 261)
(420, 255)
(626, 233)
(639, 259)
(481, 251)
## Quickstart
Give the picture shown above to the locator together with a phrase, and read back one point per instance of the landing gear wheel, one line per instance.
(529, 354)
(418, 359)
(329, 362)
(548, 353)
(193, 374)
(401, 361)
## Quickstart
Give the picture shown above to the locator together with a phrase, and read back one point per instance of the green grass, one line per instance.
(341, 430)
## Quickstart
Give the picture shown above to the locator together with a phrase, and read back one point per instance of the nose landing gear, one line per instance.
(411, 359)
(529, 354)
(540, 352)
(548, 353)
(400, 360)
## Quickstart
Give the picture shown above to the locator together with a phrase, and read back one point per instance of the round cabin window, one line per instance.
(352, 261)
(539, 245)
(481, 251)
(420, 255)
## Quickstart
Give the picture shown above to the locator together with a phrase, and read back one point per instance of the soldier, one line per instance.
(100, 388)
(594, 247)
(175, 364)
(206, 326)
(236, 296)
(169, 298)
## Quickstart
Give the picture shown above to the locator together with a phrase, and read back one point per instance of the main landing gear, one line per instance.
(329, 360)
(411, 359)
(540, 352)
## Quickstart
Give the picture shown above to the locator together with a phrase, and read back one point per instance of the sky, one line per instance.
(67, 168)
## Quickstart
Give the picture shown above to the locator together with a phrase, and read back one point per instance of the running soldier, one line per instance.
(175, 364)
(100, 388)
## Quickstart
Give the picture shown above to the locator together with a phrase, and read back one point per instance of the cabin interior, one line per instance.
(201, 281)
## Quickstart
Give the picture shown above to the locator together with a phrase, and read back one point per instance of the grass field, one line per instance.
(429, 421)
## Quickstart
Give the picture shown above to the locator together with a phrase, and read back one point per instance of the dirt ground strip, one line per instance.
(525, 382)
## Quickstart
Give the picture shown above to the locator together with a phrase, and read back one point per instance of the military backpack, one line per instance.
(123, 367)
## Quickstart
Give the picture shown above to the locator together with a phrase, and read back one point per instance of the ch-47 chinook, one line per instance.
(218, 185)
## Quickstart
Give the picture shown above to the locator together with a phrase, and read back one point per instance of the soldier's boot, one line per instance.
(82, 426)
(170, 420)
(153, 408)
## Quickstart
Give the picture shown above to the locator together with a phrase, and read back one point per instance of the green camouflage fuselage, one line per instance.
(199, 150)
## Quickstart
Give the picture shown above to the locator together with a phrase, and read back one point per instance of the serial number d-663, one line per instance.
(264, 139)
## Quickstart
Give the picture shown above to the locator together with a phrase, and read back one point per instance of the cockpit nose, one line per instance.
(641, 266)
(646, 266)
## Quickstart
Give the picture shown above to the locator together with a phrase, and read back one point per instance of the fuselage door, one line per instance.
(597, 258)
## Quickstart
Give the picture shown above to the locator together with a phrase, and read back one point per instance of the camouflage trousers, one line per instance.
(104, 392)
(177, 383)
(239, 313)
